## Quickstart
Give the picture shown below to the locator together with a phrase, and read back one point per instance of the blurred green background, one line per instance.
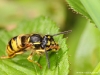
(83, 42)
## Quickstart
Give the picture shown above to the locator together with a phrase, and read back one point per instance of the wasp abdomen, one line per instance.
(16, 44)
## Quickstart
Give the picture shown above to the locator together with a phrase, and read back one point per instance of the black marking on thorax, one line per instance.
(36, 39)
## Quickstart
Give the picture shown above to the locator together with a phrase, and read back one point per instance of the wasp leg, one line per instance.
(47, 57)
(40, 52)
(30, 59)
(5, 57)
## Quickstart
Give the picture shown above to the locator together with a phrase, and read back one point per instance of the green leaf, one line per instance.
(87, 51)
(89, 9)
(84, 51)
(19, 64)
(78, 8)
(93, 10)
(97, 70)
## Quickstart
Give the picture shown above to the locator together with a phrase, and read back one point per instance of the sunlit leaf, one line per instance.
(19, 64)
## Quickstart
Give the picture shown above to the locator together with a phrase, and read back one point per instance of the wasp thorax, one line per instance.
(36, 39)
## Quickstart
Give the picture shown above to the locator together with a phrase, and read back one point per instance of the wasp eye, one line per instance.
(44, 42)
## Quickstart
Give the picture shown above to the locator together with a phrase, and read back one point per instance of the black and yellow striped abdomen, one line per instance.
(16, 44)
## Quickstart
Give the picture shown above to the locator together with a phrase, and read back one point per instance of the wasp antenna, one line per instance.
(65, 32)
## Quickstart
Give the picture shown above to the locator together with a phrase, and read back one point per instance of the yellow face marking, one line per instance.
(52, 42)
(49, 37)
(48, 43)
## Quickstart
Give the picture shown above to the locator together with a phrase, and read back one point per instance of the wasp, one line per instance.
(36, 43)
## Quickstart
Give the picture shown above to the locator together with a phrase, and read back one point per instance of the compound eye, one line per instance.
(44, 41)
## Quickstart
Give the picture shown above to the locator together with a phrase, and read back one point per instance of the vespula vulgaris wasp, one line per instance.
(34, 42)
